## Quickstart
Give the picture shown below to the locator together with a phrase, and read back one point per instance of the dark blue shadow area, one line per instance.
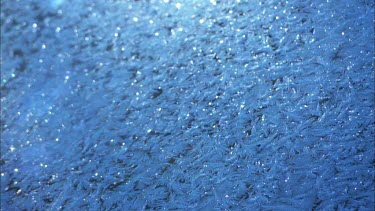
(187, 105)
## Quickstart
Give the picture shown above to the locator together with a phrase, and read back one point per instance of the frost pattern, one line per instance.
(187, 105)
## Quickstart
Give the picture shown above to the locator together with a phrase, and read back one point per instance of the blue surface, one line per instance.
(187, 105)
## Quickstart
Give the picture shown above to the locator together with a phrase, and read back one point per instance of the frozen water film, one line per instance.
(187, 105)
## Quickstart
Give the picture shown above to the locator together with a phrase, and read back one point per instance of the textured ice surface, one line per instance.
(196, 105)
